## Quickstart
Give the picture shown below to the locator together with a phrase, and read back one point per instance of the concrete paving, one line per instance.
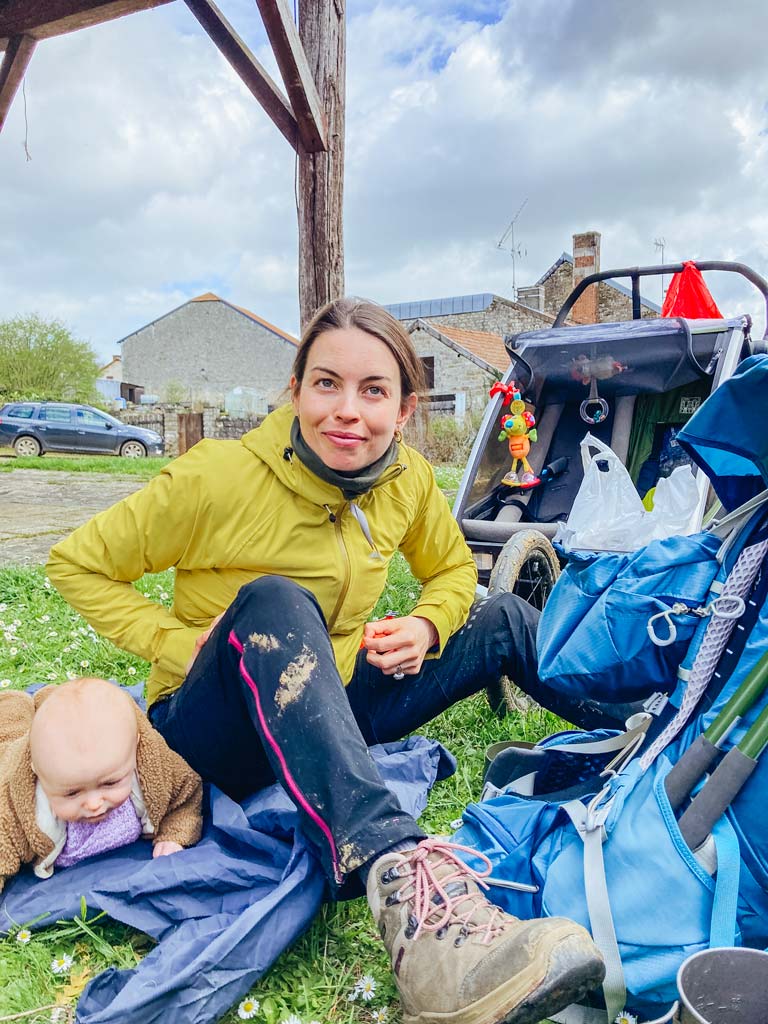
(39, 507)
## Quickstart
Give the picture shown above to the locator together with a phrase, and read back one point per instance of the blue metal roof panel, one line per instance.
(440, 307)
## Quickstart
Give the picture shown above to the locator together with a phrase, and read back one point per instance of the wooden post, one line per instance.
(321, 175)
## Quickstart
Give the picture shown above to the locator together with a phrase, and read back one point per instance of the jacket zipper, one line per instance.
(347, 566)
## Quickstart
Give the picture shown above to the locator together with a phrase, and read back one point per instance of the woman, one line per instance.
(281, 544)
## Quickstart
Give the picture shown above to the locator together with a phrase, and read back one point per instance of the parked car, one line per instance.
(34, 428)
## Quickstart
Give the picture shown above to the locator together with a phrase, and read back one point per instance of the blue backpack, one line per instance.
(582, 824)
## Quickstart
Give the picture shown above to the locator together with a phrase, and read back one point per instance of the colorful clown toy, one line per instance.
(518, 428)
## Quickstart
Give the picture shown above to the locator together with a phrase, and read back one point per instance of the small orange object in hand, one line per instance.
(389, 615)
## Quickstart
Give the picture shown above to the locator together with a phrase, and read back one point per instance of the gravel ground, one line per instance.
(38, 507)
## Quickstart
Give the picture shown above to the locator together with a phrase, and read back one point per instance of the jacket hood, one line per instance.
(271, 442)
(726, 436)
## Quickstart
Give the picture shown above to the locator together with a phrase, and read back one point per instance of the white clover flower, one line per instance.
(381, 1015)
(62, 964)
(84, 663)
(248, 1008)
(4, 684)
(23, 935)
(131, 671)
(366, 987)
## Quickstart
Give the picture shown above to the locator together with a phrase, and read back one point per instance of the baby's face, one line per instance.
(91, 787)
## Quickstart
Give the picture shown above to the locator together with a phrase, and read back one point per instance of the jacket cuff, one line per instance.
(439, 620)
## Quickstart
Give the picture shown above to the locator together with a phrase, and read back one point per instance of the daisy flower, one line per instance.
(381, 1015)
(291, 1019)
(366, 987)
(131, 671)
(62, 964)
(52, 675)
(23, 935)
(4, 684)
(84, 663)
(352, 997)
(625, 1018)
(248, 1008)
(13, 651)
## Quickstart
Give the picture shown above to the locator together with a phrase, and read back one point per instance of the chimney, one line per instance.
(586, 261)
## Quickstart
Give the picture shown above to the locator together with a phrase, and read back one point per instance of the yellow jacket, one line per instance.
(228, 512)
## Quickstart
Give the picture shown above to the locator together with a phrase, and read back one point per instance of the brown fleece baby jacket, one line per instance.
(170, 791)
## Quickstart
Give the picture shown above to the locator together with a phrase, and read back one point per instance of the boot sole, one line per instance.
(570, 972)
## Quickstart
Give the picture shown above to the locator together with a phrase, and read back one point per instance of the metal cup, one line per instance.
(723, 986)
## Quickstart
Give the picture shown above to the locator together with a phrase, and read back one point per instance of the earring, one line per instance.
(398, 436)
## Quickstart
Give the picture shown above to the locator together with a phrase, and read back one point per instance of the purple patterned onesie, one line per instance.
(85, 839)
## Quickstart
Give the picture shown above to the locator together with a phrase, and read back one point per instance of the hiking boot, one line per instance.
(458, 958)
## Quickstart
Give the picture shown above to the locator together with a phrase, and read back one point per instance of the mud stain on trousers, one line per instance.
(295, 677)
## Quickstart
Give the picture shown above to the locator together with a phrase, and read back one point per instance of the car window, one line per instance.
(59, 413)
(21, 411)
(91, 418)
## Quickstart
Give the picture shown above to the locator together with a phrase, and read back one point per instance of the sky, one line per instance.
(156, 176)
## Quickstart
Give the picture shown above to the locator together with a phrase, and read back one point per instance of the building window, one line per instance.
(428, 365)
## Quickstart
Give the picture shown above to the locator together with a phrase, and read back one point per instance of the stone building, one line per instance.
(207, 347)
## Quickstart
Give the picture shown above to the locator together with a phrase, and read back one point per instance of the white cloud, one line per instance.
(156, 176)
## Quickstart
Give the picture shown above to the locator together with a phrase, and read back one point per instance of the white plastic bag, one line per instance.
(608, 514)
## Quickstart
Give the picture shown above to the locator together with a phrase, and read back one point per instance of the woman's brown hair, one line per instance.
(374, 320)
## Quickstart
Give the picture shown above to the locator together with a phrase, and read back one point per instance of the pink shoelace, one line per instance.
(433, 916)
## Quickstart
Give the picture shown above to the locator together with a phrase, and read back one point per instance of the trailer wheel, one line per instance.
(527, 566)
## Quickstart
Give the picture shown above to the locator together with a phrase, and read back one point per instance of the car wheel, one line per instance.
(527, 566)
(133, 450)
(27, 446)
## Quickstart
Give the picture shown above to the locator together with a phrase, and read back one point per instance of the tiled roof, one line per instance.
(488, 347)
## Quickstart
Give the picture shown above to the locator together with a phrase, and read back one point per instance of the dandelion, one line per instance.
(248, 1008)
(62, 964)
(291, 1019)
(4, 684)
(366, 987)
(381, 1015)
(131, 671)
(625, 1018)
(23, 935)
(84, 663)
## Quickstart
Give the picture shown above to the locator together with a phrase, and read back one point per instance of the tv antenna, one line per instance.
(659, 245)
(515, 250)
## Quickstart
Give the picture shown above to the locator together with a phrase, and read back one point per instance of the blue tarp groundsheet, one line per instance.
(222, 911)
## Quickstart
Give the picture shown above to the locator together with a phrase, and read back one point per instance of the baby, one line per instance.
(82, 772)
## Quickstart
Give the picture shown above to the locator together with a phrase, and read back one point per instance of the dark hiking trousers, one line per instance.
(264, 701)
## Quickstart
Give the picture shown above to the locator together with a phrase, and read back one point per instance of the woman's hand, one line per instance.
(166, 847)
(201, 640)
(399, 644)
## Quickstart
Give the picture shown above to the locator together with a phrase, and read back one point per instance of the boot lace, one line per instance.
(439, 903)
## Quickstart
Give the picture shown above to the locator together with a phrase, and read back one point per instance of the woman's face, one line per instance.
(349, 403)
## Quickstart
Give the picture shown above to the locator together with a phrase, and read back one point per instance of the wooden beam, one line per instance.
(321, 175)
(299, 83)
(248, 68)
(42, 19)
(17, 56)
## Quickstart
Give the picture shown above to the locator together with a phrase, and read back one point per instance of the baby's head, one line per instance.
(83, 744)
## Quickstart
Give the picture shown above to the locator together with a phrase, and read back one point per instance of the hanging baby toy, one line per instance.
(518, 427)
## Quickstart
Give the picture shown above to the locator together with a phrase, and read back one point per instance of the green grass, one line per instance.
(144, 469)
(42, 639)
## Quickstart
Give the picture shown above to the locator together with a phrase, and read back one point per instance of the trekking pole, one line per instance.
(704, 750)
(725, 783)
